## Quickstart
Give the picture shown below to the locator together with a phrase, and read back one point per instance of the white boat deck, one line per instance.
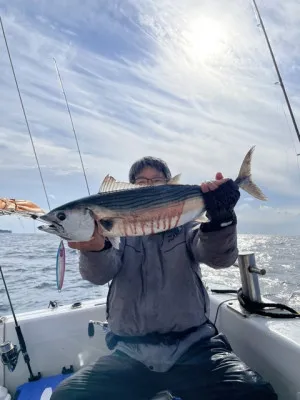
(58, 338)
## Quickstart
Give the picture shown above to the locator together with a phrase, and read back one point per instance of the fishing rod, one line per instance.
(61, 254)
(60, 249)
(9, 353)
(73, 127)
(24, 113)
(60, 260)
(278, 72)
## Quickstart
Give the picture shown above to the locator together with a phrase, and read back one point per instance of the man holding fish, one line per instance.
(160, 334)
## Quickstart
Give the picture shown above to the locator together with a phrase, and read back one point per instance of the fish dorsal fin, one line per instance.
(109, 184)
(175, 180)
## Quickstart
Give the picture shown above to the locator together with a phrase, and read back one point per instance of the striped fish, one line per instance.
(123, 209)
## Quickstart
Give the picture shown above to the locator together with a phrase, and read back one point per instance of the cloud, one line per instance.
(269, 220)
(191, 83)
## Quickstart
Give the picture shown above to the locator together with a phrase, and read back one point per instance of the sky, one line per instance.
(190, 82)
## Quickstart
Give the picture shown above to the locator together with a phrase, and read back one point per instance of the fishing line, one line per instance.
(73, 127)
(21, 223)
(60, 263)
(60, 258)
(61, 249)
(24, 113)
(34, 226)
(261, 24)
(288, 124)
(293, 143)
(277, 70)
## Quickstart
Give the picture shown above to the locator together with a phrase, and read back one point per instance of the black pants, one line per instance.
(209, 370)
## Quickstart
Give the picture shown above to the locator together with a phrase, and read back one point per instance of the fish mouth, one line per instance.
(50, 227)
(54, 228)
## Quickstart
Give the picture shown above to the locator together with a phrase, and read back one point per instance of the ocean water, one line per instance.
(29, 260)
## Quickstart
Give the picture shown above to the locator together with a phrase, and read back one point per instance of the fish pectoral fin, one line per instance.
(175, 180)
(202, 219)
(115, 242)
(109, 184)
(106, 223)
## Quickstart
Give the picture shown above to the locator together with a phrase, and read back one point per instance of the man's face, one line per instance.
(150, 176)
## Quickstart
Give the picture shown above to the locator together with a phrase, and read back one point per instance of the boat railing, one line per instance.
(249, 274)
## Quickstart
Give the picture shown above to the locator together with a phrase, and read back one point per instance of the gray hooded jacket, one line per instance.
(156, 283)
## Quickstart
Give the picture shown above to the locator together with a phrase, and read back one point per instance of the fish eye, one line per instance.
(61, 216)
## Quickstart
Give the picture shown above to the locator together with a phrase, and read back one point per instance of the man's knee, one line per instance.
(106, 378)
(257, 389)
(59, 394)
(74, 387)
(66, 391)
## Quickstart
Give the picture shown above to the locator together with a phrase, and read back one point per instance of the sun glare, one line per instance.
(204, 38)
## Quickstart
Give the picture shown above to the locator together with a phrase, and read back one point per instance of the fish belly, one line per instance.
(155, 220)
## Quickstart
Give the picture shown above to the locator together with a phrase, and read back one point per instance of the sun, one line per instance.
(204, 38)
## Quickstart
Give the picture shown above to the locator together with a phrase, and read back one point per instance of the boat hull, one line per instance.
(58, 338)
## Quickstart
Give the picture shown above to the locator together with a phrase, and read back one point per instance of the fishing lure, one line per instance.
(60, 265)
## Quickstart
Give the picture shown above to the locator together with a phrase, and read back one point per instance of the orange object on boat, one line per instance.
(23, 207)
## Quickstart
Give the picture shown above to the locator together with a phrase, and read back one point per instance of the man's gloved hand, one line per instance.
(220, 197)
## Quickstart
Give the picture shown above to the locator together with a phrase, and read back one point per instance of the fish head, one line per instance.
(73, 225)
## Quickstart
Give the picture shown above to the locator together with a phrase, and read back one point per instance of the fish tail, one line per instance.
(244, 179)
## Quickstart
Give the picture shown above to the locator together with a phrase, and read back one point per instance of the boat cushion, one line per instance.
(39, 390)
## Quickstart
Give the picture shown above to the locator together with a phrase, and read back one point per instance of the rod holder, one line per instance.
(91, 326)
(250, 276)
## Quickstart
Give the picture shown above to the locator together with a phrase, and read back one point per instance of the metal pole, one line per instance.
(249, 276)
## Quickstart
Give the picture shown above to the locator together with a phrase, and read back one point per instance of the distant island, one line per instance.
(5, 231)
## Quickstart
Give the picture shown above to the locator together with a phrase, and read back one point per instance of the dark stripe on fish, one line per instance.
(152, 196)
(137, 199)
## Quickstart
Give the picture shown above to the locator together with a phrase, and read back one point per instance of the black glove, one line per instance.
(220, 205)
